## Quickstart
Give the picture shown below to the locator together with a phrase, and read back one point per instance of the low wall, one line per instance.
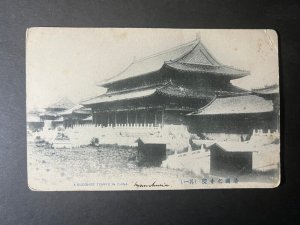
(197, 162)
(177, 135)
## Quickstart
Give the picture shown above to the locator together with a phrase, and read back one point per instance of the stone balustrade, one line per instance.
(127, 126)
(259, 132)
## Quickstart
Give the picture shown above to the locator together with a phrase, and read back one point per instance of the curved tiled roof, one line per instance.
(151, 63)
(119, 96)
(192, 57)
(198, 55)
(167, 89)
(207, 69)
(239, 104)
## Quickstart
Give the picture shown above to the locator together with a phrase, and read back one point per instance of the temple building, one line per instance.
(51, 117)
(165, 88)
(182, 108)
(77, 115)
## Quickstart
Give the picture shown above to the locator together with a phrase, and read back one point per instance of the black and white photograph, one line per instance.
(152, 109)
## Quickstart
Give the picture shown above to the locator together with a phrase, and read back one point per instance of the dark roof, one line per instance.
(184, 92)
(167, 89)
(239, 104)
(192, 56)
(63, 103)
(231, 72)
(200, 60)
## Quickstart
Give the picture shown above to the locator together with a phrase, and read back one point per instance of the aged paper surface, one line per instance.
(152, 109)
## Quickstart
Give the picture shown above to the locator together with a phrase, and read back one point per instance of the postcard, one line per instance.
(152, 109)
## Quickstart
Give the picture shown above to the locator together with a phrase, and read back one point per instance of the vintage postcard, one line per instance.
(152, 109)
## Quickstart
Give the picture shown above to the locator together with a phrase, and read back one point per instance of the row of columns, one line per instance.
(115, 117)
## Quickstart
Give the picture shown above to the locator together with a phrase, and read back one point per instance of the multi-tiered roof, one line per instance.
(159, 74)
(190, 57)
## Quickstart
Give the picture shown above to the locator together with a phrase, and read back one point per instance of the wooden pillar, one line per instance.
(155, 119)
(107, 118)
(115, 118)
(93, 116)
(98, 119)
(162, 117)
(135, 116)
(127, 118)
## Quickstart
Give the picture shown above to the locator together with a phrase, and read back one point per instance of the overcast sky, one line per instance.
(70, 61)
